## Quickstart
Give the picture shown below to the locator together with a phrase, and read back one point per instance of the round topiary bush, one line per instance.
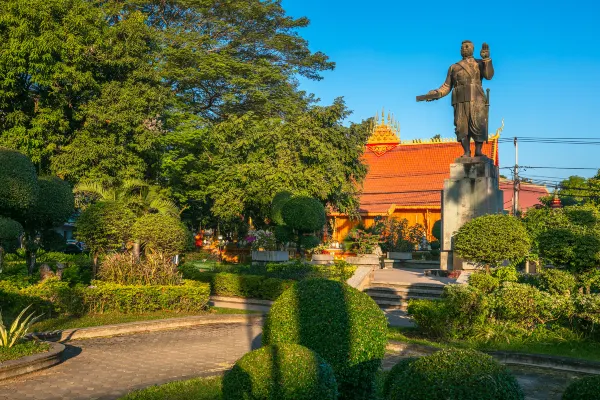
(340, 323)
(436, 230)
(277, 205)
(587, 388)
(454, 374)
(18, 182)
(394, 374)
(54, 205)
(304, 214)
(280, 372)
(484, 282)
(490, 240)
(162, 233)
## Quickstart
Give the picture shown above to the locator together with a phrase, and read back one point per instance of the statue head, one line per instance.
(467, 49)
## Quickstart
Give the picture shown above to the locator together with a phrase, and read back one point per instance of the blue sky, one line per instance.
(546, 56)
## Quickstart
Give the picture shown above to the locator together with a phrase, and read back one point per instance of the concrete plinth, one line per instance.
(471, 191)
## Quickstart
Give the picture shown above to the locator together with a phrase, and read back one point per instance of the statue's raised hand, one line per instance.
(485, 51)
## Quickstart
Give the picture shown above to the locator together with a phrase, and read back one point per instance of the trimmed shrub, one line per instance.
(484, 282)
(277, 205)
(283, 234)
(506, 274)
(492, 239)
(467, 306)
(305, 214)
(555, 281)
(340, 323)
(523, 303)
(397, 371)
(455, 374)
(280, 372)
(431, 316)
(104, 226)
(54, 205)
(249, 286)
(18, 182)
(309, 242)
(161, 233)
(105, 297)
(587, 388)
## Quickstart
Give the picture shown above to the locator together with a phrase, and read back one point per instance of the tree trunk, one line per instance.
(137, 250)
(95, 266)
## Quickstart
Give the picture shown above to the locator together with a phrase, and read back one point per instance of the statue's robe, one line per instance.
(470, 112)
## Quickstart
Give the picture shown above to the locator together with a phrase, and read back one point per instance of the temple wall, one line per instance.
(426, 217)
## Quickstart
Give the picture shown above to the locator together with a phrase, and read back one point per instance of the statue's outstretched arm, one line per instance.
(446, 87)
(486, 67)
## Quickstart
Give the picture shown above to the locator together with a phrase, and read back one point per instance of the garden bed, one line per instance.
(22, 350)
(26, 358)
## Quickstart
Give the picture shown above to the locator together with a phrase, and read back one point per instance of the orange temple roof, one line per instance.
(411, 173)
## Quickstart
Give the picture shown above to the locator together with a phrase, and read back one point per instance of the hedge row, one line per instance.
(54, 297)
(239, 285)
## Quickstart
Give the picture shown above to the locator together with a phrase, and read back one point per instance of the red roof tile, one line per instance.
(529, 194)
(411, 174)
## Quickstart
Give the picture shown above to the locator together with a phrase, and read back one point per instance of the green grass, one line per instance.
(582, 349)
(91, 320)
(22, 350)
(197, 389)
(201, 389)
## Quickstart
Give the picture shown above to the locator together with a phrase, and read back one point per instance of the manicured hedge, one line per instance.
(587, 388)
(104, 297)
(454, 374)
(340, 323)
(241, 285)
(280, 372)
(53, 297)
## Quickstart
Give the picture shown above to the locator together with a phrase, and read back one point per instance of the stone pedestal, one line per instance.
(471, 191)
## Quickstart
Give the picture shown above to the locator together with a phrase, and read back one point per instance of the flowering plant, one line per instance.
(262, 240)
(364, 242)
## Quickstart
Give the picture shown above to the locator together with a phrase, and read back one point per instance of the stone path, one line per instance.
(108, 368)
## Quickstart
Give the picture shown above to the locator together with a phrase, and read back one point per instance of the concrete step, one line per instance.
(408, 285)
(392, 305)
(375, 295)
(402, 291)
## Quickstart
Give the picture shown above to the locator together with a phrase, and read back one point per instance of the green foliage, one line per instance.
(467, 306)
(161, 233)
(106, 297)
(249, 286)
(277, 206)
(492, 239)
(49, 298)
(309, 242)
(55, 204)
(436, 230)
(9, 230)
(18, 183)
(363, 242)
(506, 273)
(397, 371)
(53, 241)
(555, 281)
(586, 388)
(19, 328)
(124, 269)
(431, 316)
(341, 324)
(523, 303)
(483, 281)
(435, 245)
(568, 237)
(104, 226)
(280, 372)
(283, 234)
(304, 214)
(455, 374)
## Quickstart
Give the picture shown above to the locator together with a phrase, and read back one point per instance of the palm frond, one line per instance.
(96, 189)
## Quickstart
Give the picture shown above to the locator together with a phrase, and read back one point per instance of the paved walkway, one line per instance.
(108, 368)
(408, 275)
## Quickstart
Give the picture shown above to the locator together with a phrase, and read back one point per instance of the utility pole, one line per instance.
(516, 182)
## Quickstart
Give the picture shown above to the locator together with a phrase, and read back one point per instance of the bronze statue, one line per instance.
(469, 102)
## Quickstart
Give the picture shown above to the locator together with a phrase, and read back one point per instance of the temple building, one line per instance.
(406, 178)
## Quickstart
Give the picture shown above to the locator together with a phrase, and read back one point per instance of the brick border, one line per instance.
(511, 358)
(146, 326)
(35, 362)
